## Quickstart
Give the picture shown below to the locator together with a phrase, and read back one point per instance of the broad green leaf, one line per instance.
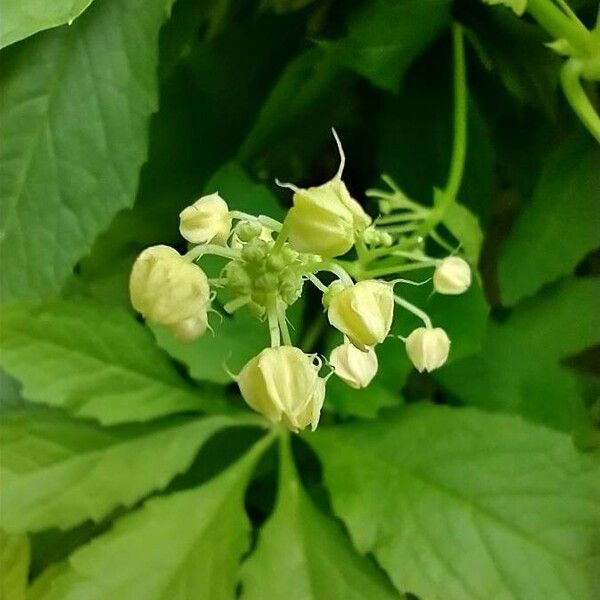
(242, 193)
(519, 370)
(14, 565)
(513, 51)
(93, 360)
(236, 340)
(558, 227)
(415, 131)
(302, 554)
(59, 472)
(385, 36)
(458, 504)
(308, 91)
(185, 545)
(22, 18)
(464, 226)
(74, 112)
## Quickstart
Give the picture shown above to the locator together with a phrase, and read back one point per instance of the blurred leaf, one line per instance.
(304, 555)
(557, 228)
(415, 136)
(307, 91)
(14, 559)
(93, 360)
(236, 340)
(460, 504)
(186, 545)
(385, 36)
(518, 368)
(515, 51)
(464, 226)
(365, 403)
(73, 120)
(22, 18)
(242, 193)
(58, 472)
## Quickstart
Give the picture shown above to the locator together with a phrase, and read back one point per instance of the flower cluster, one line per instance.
(268, 264)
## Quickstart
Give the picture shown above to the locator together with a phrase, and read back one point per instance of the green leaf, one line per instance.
(243, 193)
(458, 504)
(186, 545)
(58, 472)
(519, 370)
(14, 559)
(385, 36)
(93, 360)
(74, 113)
(308, 91)
(236, 340)
(514, 51)
(464, 226)
(22, 18)
(557, 228)
(304, 555)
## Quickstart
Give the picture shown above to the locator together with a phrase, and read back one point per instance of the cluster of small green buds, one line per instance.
(267, 265)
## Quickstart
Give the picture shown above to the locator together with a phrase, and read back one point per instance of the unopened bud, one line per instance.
(248, 230)
(452, 276)
(353, 366)
(325, 219)
(428, 348)
(166, 289)
(363, 312)
(283, 384)
(189, 329)
(207, 220)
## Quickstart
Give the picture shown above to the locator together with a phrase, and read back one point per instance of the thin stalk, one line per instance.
(394, 270)
(273, 324)
(195, 253)
(415, 310)
(578, 99)
(283, 326)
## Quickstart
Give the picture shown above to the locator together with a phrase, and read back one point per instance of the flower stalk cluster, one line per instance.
(326, 240)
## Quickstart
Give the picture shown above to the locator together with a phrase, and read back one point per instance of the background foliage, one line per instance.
(130, 468)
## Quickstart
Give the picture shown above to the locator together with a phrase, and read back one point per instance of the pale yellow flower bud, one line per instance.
(353, 366)
(363, 312)
(452, 276)
(325, 219)
(167, 289)
(190, 329)
(283, 384)
(207, 220)
(428, 348)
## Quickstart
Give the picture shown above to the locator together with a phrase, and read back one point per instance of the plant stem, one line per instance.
(415, 310)
(394, 270)
(459, 144)
(578, 99)
(273, 323)
(283, 326)
(198, 251)
(559, 25)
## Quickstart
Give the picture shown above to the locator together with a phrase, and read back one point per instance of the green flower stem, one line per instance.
(415, 310)
(337, 268)
(283, 326)
(316, 282)
(273, 321)
(392, 270)
(400, 218)
(282, 235)
(559, 25)
(262, 219)
(195, 253)
(459, 144)
(578, 99)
